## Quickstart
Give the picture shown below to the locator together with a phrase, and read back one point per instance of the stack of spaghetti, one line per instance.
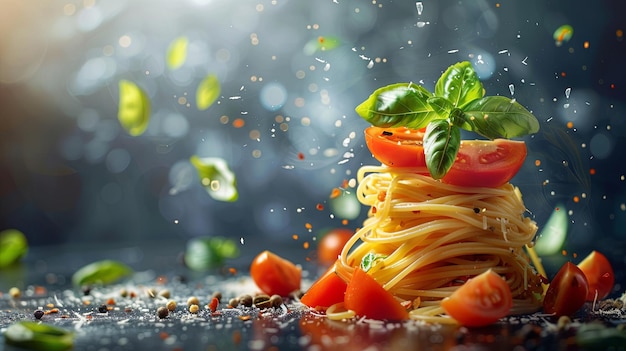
(424, 238)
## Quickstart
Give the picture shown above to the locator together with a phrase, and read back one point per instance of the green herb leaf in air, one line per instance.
(216, 177)
(38, 336)
(458, 103)
(101, 272)
(204, 253)
(13, 246)
(177, 53)
(134, 108)
(207, 92)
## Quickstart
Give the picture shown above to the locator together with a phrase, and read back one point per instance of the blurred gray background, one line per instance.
(69, 173)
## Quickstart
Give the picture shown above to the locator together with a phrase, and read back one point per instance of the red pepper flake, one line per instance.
(236, 337)
(382, 195)
(305, 245)
(213, 304)
(344, 221)
(232, 270)
(161, 280)
(39, 290)
(319, 207)
(163, 335)
(110, 301)
(308, 226)
(245, 318)
(300, 156)
(335, 193)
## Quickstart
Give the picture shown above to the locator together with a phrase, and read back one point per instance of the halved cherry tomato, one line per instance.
(274, 274)
(567, 291)
(328, 290)
(599, 274)
(396, 147)
(482, 300)
(369, 299)
(331, 244)
(483, 163)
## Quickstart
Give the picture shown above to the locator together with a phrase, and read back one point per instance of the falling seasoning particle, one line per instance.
(217, 178)
(420, 7)
(134, 108)
(300, 156)
(563, 34)
(207, 92)
(177, 53)
(335, 193)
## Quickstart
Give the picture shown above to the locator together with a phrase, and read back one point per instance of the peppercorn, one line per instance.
(245, 300)
(39, 314)
(276, 300)
(217, 295)
(103, 309)
(162, 312)
(193, 300)
(171, 305)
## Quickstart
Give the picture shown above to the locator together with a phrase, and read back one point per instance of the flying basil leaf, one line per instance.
(38, 336)
(13, 246)
(101, 272)
(134, 108)
(442, 141)
(459, 84)
(440, 105)
(204, 253)
(177, 52)
(207, 92)
(400, 104)
(216, 177)
(498, 117)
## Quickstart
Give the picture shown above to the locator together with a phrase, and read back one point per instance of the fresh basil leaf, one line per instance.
(38, 336)
(216, 177)
(101, 272)
(459, 84)
(13, 246)
(400, 104)
(204, 253)
(498, 117)
(442, 141)
(440, 105)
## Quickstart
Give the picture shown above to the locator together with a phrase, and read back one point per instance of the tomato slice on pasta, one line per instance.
(369, 299)
(479, 163)
(480, 301)
(328, 290)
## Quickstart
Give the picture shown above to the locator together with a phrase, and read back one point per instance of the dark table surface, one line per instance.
(132, 324)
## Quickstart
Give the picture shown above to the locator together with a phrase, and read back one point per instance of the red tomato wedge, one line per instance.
(479, 163)
(331, 244)
(396, 147)
(480, 301)
(567, 291)
(599, 274)
(274, 274)
(328, 290)
(369, 299)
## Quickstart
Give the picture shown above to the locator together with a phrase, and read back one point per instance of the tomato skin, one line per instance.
(328, 290)
(599, 274)
(274, 274)
(331, 244)
(369, 299)
(479, 163)
(481, 300)
(567, 291)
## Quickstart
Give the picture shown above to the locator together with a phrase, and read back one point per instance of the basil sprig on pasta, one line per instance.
(457, 103)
